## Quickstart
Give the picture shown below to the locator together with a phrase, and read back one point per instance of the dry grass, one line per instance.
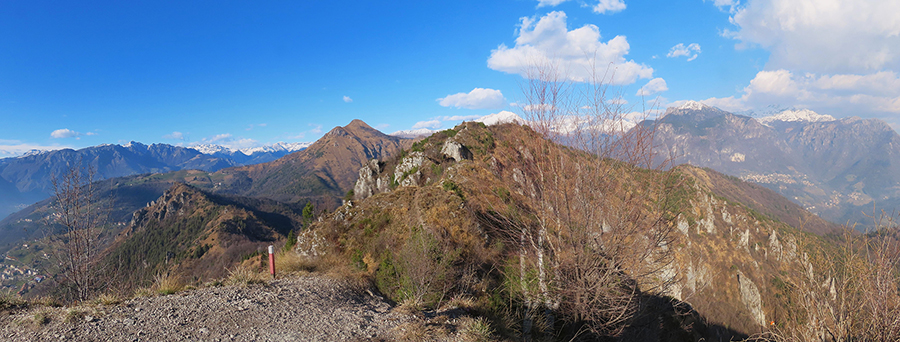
(10, 300)
(245, 275)
(74, 315)
(476, 329)
(420, 331)
(41, 317)
(166, 284)
(143, 292)
(46, 301)
(107, 299)
(410, 306)
(462, 302)
(291, 263)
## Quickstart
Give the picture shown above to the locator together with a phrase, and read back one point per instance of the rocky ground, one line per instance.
(307, 308)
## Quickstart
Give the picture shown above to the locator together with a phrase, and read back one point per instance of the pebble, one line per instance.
(283, 310)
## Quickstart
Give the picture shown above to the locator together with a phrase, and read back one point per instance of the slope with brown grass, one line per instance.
(435, 218)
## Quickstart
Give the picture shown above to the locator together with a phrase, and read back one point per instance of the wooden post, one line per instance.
(272, 260)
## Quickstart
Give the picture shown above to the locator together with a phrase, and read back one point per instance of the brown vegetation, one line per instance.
(77, 247)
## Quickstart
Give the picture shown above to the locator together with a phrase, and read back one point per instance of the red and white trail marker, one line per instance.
(272, 260)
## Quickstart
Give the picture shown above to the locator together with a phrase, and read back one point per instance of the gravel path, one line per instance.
(309, 308)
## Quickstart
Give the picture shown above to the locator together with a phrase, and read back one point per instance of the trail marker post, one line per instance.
(272, 260)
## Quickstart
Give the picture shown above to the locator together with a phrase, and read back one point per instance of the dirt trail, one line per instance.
(308, 308)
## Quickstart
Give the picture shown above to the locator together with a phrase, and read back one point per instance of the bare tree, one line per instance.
(591, 232)
(76, 247)
(849, 291)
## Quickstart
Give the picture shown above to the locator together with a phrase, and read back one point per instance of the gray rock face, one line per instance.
(368, 182)
(455, 150)
(407, 173)
(751, 298)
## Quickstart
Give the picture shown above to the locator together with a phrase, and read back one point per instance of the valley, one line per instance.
(426, 220)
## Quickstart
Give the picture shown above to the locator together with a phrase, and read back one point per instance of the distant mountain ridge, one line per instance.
(216, 216)
(836, 168)
(30, 175)
(322, 173)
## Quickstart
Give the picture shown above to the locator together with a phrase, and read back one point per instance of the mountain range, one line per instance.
(442, 216)
(27, 179)
(836, 168)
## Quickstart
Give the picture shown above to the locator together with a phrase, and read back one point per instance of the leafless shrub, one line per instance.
(77, 247)
(590, 229)
(850, 291)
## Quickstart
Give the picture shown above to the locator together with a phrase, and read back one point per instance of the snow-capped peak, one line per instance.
(693, 105)
(33, 152)
(796, 115)
(413, 133)
(276, 147)
(501, 118)
(211, 149)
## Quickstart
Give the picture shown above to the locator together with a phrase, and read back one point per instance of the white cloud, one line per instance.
(831, 56)
(175, 135)
(692, 51)
(431, 124)
(220, 137)
(551, 3)
(721, 4)
(577, 53)
(822, 36)
(347, 99)
(316, 129)
(15, 148)
(64, 133)
(611, 6)
(842, 94)
(478, 98)
(656, 85)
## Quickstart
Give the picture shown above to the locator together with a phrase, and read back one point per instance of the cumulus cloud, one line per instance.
(841, 94)
(347, 99)
(823, 36)
(577, 53)
(608, 6)
(175, 135)
(832, 56)
(691, 51)
(656, 85)
(64, 133)
(430, 124)
(478, 98)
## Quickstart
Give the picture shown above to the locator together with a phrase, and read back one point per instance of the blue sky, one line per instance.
(244, 74)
